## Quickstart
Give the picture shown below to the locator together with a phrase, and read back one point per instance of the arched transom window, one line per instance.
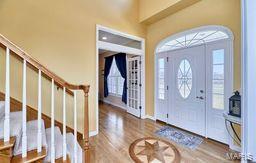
(192, 39)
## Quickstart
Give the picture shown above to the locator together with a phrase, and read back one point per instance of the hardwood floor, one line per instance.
(118, 129)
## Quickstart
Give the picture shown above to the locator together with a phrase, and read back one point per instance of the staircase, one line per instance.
(28, 135)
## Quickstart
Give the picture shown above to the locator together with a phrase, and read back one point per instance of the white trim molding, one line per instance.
(234, 147)
(149, 117)
(248, 80)
(93, 133)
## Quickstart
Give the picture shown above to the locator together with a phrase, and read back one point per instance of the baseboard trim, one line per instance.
(234, 147)
(116, 105)
(93, 133)
(149, 117)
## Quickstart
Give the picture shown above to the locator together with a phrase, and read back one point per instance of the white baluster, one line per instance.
(52, 126)
(75, 129)
(64, 125)
(39, 116)
(7, 98)
(24, 111)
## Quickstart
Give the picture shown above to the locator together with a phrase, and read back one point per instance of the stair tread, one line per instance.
(15, 130)
(15, 124)
(32, 132)
(59, 147)
(70, 148)
(60, 160)
(2, 109)
(58, 143)
(6, 145)
(32, 156)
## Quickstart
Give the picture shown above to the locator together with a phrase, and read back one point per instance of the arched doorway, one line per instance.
(194, 79)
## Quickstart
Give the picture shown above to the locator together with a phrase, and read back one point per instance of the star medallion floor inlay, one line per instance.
(153, 150)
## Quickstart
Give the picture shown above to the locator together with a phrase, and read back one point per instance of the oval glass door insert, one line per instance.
(184, 78)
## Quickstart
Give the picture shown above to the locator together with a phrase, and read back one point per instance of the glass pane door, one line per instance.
(134, 95)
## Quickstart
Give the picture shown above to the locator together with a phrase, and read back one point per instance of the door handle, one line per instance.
(200, 97)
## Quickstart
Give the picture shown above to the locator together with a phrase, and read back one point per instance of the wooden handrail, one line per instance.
(48, 74)
(61, 83)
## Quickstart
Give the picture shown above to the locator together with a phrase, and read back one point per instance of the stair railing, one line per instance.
(55, 81)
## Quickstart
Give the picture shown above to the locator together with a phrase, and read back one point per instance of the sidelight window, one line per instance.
(161, 77)
(218, 79)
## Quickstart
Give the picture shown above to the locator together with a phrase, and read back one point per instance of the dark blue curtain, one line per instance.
(108, 63)
(121, 65)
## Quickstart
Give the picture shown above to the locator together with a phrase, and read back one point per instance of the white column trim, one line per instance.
(39, 116)
(24, 110)
(75, 127)
(64, 126)
(7, 98)
(52, 125)
(248, 80)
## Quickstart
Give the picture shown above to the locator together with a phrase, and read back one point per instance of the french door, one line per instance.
(134, 86)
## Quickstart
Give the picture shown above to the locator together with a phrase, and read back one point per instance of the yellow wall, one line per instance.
(153, 10)
(205, 12)
(149, 8)
(61, 35)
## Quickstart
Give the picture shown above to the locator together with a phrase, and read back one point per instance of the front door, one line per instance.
(134, 86)
(186, 78)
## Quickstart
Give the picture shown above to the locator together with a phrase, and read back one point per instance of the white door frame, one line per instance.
(175, 36)
(248, 80)
(124, 49)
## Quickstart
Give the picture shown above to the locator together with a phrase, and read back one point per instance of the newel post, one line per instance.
(86, 124)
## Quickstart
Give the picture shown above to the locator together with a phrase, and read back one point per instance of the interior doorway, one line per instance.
(120, 65)
(116, 82)
(194, 79)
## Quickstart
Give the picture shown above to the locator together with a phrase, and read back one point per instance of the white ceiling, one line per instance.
(119, 40)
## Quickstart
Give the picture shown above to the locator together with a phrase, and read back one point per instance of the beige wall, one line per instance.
(149, 8)
(205, 12)
(61, 35)
(154, 10)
